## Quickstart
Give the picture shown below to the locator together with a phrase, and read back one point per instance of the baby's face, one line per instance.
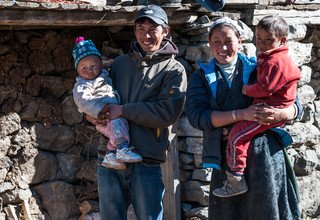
(89, 67)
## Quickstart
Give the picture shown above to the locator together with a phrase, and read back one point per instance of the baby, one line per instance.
(92, 91)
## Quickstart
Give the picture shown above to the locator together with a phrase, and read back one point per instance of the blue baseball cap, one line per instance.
(154, 12)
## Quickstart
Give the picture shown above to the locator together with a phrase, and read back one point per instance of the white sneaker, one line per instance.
(110, 161)
(126, 155)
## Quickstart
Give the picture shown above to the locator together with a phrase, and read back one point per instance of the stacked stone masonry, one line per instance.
(48, 157)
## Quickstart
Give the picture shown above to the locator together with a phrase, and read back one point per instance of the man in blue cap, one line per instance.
(152, 85)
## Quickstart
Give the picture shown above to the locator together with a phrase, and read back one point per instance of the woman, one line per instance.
(214, 103)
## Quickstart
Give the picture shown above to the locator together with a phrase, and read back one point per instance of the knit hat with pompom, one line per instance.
(82, 49)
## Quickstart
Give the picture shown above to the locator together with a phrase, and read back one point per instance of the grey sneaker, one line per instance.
(234, 185)
(128, 156)
(110, 161)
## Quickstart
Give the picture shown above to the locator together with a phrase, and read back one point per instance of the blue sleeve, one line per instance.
(197, 106)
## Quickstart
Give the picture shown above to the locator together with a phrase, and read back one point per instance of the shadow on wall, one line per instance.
(48, 156)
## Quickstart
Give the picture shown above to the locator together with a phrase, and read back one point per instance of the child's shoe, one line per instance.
(110, 161)
(126, 155)
(234, 185)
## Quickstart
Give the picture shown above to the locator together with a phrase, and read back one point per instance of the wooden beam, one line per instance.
(26, 210)
(170, 171)
(76, 18)
(291, 16)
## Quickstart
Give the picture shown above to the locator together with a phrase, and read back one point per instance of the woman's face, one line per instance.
(224, 44)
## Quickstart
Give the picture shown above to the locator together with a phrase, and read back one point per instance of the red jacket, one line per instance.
(276, 79)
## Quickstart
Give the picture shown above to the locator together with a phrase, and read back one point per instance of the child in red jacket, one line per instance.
(276, 86)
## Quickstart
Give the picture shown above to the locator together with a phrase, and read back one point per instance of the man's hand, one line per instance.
(112, 111)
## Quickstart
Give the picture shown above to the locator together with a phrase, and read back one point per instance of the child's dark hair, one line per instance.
(274, 24)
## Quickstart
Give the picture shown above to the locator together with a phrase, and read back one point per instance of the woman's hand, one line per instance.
(261, 113)
(266, 114)
(247, 113)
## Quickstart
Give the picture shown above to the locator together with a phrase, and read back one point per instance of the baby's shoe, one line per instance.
(110, 161)
(234, 185)
(126, 155)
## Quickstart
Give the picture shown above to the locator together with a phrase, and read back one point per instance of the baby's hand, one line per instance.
(91, 119)
(102, 115)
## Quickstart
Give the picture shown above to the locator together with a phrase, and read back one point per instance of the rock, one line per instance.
(68, 166)
(88, 170)
(4, 146)
(200, 213)
(195, 191)
(15, 196)
(297, 32)
(194, 145)
(306, 163)
(41, 168)
(33, 85)
(313, 35)
(300, 53)
(200, 52)
(70, 113)
(5, 164)
(202, 175)
(306, 94)
(9, 123)
(309, 193)
(58, 199)
(306, 72)
(56, 138)
(308, 113)
(57, 86)
(186, 158)
(4, 49)
(185, 129)
(304, 133)
(41, 62)
(185, 175)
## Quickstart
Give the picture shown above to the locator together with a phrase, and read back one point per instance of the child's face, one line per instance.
(266, 40)
(89, 67)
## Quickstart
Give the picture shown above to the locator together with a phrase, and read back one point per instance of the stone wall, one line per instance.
(48, 156)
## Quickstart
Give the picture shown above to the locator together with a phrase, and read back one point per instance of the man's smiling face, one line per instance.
(149, 35)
